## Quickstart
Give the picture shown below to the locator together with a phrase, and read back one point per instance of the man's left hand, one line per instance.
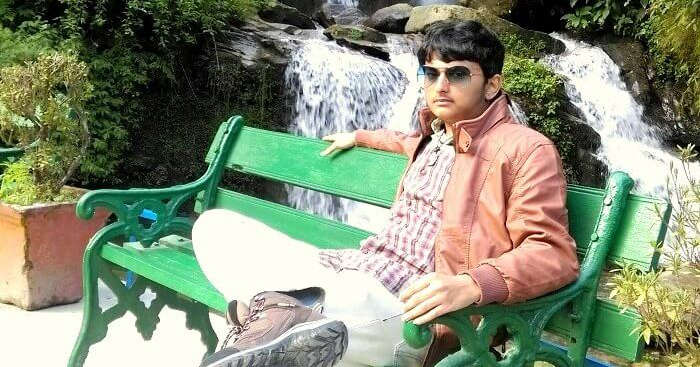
(436, 294)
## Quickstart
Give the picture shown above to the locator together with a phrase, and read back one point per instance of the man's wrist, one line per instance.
(472, 286)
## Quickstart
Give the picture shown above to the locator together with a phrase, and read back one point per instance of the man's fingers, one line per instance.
(330, 137)
(414, 287)
(430, 315)
(328, 150)
(421, 308)
(418, 299)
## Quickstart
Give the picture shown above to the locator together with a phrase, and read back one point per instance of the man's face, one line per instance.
(462, 98)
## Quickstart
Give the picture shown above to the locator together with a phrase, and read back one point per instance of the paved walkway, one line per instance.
(45, 338)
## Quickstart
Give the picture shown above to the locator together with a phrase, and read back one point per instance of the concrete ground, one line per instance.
(45, 338)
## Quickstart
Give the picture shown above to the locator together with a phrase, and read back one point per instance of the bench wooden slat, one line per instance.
(173, 267)
(364, 175)
(641, 226)
(320, 232)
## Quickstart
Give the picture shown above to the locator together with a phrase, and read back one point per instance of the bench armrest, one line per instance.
(524, 321)
(127, 205)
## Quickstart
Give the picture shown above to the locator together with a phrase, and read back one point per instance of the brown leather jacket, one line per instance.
(504, 217)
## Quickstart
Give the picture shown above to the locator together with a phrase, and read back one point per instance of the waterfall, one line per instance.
(628, 144)
(340, 90)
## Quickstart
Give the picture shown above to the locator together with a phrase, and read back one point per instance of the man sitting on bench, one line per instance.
(479, 217)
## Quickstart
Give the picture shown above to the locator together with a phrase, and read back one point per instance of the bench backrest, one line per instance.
(372, 176)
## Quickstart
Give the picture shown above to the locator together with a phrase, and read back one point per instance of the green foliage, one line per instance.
(42, 110)
(133, 49)
(146, 48)
(669, 300)
(26, 43)
(542, 89)
(17, 185)
(620, 15)
(517, 46)
(674, 40)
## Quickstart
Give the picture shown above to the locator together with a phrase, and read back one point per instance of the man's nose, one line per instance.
(442, 83)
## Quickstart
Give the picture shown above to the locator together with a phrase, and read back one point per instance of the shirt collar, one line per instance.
(440, 132)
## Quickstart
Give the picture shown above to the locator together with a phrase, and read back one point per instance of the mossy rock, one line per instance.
(354, 33)
(497, 7)
(423, 16)
(361, 38)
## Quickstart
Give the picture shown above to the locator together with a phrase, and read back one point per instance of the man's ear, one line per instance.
(493, 85)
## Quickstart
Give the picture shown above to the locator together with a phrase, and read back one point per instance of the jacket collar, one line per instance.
(467, 130)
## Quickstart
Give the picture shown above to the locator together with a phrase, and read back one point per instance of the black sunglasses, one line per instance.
(456, 75)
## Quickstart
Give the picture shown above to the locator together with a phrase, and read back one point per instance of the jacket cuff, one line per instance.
(490, 281)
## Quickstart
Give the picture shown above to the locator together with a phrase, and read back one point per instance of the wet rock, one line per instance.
(360, 38)
(630, 56)
(589, 170)
(661, 100)
(342, 14)
(323, 18)
(358, 33)
(391, 19)
(497, 7)
(308, 7)
(280, 13)
(423, 16)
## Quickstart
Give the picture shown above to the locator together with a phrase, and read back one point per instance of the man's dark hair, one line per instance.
(468, 40)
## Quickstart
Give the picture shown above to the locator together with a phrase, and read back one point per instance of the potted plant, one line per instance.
(42, 117)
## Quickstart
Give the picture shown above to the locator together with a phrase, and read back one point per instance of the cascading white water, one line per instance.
(339, 90)
(627, 143)
(336, 90)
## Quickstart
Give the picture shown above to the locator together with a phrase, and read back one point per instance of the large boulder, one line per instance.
(497, 7)
(280, 13)
(360, 38)
(423, 16)
(391, 19)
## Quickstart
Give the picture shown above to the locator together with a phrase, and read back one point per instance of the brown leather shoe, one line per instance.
(280, 331)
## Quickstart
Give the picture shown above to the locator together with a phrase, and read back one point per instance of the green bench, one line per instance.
(609, 226)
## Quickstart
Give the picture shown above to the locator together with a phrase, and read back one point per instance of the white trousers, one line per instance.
(242, 257)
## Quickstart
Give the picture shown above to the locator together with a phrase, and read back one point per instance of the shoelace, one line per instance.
(257, 308)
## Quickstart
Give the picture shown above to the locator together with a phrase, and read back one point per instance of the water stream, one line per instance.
(339, 90)
(628, 143)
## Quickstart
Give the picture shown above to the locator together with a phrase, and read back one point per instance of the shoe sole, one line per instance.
(319, 343)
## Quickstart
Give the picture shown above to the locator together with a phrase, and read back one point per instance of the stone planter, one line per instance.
(41, 252)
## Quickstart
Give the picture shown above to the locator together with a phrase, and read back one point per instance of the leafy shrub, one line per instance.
(42, 111)
(541, 89)
(669, 300)
(675, 40)
(620, 15)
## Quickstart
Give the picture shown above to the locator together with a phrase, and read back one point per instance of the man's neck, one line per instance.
(449, 125)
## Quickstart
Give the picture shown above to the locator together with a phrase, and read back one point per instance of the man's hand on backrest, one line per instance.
(339, 141)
